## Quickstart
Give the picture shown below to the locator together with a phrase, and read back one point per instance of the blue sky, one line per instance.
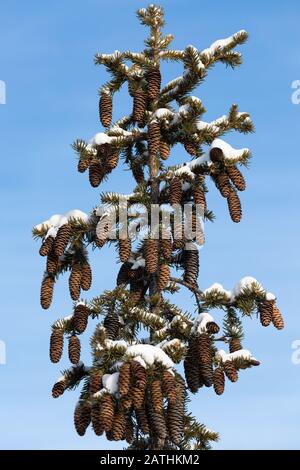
(46, 61)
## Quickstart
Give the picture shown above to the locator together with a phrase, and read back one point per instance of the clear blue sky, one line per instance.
(46, 60)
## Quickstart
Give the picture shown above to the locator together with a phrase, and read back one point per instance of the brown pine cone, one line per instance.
(139, 374)
(235, 345)
(62, 239)
(230, 371)
(156, 396)
(154, 82)
(219, 381)
(86, 276)
(83, 164)
(58, 388)
(199, 197)
(56, 345)
(111, 324)
(277, 318)
(212, 327)
(124, 249)
(47, 291)
(124, 379)
(46, 246)
(105, 109)
(176, 413)
(119, 426)
(223, 184)
(124, 274)
(82, 418)
(151, 255)
(234, 206)
(191, 266)
(137, 172)
(81, 314)
(136, 291)
(190, 148)
(75, 281)
(129, 431)
(164, 150)
(106, 412)
(137, 396)
(191, 365)
(74, 349)
(236, 177)
(216, 155)
(96, 173)
(175, 191)
(95, 382)
(142, 420)
(158, 424)
(265, 309)
(96, 419)
(205, 359)
(52, 263)
(169, 387)
(163, 276)
(112, 161)
(154, 138)
(166, 248)
(139, 106)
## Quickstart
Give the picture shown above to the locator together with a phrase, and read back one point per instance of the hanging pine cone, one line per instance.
(124, 379)
(236, 177)
(265, 309)
(216, 155)
(158, 424)
(205, 359)
(156, 396)
(111, 324)
(83, 164)
(191, 266)
(129, 431)
(154, 138)
(223, 184)
(96, 173)
(46, 246)
(56, 345)
(212, 327)
(119, 425)
(136, 291)
(175, 414)
(199, 197)
(164, 150)
(62, 239)
(52, 263)
(219, 381)
(47, 291)
(154, 82)
(96, 419)
(86, 276)
(235, 345)
(124, 274)
(82, 418)
(166, 248)
(106, 412)
(175, 191)
(169, 387)
(95, 382)
(58, 388)
(191, 365)
(277, 318)
(80, 319)
(142, 420)
(230, 371)
(139, 374)
(138, 172)
(112, 161)
(75, 281)
(124, 249)
(105, 109)
(190, 148)
(234, 206)
(163, 276)
(151, 255)
(137, 396)
(139, 106)
(74, 349)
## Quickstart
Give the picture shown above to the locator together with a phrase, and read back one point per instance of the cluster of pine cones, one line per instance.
(79, 324)
(160, 415)
(270, 313)
(100, 165)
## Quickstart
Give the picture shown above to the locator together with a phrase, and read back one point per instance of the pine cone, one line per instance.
(111, 324)
(95, 382)
(230, 371)
(236, 177)
(96, 419)
(75, 281)
(142, 420)
(46, 246)
(86, 276)
(166, 248)
(154, 138)
(175, 416)
(47, 291)
(124, 379)
(82, 418)
(158, 424)
(56, 345)
(216, 155)
(74, 349)
(139, 374)
(205, 359)
(223, 184)
(52, 263)
(234, 206)
(106, 412)
(191, 365)
(81, 314)
(164, 150)
(139, 106)
(175, 191)
(83, 164)
(96, 173)
(136, 291)
(129, 431)
(58, 388)
(169, 387)
(119, 426)
(124, 274)
(137, 172)
(62, 239)
(219, 381)
(235, 345)
(137, 395)
(154, 82)
(163, 277)
(112, 161)
(124, 249)
(199, 197)
(190, 148)
(212, 327)
(105, 109)
(156, 396)
(265, 309)
(151, 255)
(191, 266)
(277, 318)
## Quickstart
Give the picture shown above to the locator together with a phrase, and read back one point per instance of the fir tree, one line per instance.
(132, 390)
